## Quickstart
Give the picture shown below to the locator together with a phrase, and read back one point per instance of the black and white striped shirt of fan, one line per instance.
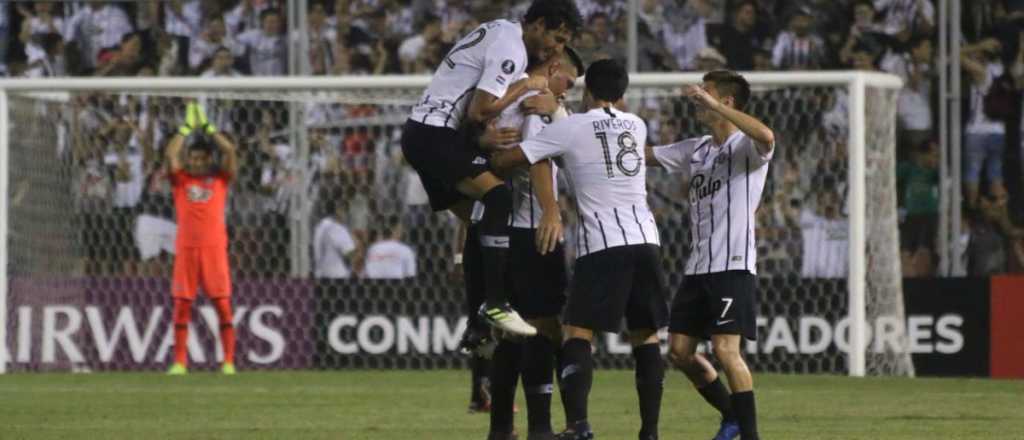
(725, 186)
(490, 58)
(602, 156)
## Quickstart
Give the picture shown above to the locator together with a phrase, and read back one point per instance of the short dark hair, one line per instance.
(268, 12)
(607, 80)
(729, 83)
(555, 14)
(201, 145)
(577, 61)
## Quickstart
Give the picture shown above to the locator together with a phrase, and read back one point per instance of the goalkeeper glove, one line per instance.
(195, 118)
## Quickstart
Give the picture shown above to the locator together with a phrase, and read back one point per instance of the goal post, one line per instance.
(849, 323)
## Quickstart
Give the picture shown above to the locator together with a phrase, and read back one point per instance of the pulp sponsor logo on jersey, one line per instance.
(116, 334)
(702, 187)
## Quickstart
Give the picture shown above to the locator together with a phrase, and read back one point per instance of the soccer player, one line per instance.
(618, 266)
(726, 172)
(537, 282)
(200, 190)
(474, 83)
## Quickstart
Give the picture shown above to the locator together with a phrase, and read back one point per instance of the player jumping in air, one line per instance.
(200, 189)
(537, 281)
(726, 172)
(473, 84)
(618, 266)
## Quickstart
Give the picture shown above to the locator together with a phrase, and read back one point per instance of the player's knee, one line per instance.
(728, 354)
(223, 306)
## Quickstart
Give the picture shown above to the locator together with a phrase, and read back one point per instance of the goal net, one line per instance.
(89, 233)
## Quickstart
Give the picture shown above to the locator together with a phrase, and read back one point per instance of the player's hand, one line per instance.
(549, 233)
(536, 83)
(495, 137)
(546, 103)
(701, 97)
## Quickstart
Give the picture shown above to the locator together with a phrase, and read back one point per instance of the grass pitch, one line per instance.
(406, 405)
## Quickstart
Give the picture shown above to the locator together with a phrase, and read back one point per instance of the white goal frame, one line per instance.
(856, 83)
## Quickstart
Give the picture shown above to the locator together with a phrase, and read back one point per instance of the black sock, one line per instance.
(480, 367)
(717, 396)
(472, 279)
(650, 378)
(538, 373)
(563, 396)
(504, 377)
(494, 243)
(577, 376)
(746, 414)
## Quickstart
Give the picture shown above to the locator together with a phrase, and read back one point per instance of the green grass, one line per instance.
(383, 405)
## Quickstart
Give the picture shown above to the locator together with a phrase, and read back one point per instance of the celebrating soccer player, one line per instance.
(537, 282)
(201, 252)
(618, 265)
(477, 80)
(726, 172)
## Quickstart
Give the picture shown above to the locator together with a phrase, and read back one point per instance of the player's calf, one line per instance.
(742, 399)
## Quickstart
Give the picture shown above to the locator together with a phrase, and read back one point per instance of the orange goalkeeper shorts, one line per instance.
(205, 267)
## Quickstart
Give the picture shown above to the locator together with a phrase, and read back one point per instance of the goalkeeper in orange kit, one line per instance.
(200, 186)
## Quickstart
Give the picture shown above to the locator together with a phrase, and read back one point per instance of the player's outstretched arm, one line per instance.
(173, 151)
(763, 136)
(503, 161)
(228, 150)
(549, 232)
(649, 158)
(486, 106)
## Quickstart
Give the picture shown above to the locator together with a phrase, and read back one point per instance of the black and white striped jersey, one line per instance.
(490, 58)
(602, 155)
(725, 186)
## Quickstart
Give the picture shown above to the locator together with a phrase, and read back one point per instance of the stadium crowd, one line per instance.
(355, 175)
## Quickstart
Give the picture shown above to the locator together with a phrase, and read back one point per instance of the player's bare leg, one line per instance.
(727, 350)
(494, 239)
(576, 374)
(704, 377)
(650, 379)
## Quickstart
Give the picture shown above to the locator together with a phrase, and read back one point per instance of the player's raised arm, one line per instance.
(177, 143)
(764, 137)
(486, 106)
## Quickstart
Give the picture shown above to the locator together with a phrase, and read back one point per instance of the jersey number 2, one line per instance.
(473, 39)
(627, 147)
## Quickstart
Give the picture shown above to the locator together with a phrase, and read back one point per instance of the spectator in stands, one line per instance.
(222, 64)
(902, 19)
(41, 20)
(736, 39)
(51, 61)
(918, 194)
(985, 133)
(709, 59)
(333, 245)
(612, 9)
(246, 15)
(123, 60)
(321, 36)
(600, 26)
(421, 52)
(685, 37)
(865, 35)
(204, 46)
(825, 233)
(125, 164)
(390, 257)
(266, 46)
(914, 105)
(763, 60)
(994, 240)
(95, 27)
(797, 48)
(182, 18)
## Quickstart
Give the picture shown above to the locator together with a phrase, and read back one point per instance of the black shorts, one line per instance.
(620, 282)
(716, 304)
(537, 281)
(442, 158)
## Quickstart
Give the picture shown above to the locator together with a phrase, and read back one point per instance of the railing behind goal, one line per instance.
(87, 231)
